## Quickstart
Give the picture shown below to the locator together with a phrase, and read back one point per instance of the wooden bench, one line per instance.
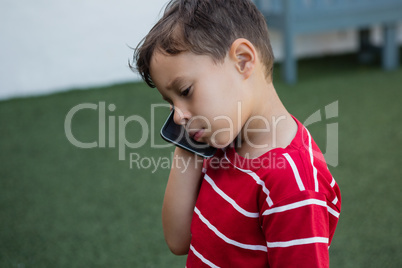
(293, 17)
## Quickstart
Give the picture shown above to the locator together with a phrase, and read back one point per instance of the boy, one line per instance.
(266, 199)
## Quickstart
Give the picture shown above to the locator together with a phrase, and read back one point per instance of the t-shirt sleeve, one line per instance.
(297, 231)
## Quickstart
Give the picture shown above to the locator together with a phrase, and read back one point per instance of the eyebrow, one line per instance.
(175, 83)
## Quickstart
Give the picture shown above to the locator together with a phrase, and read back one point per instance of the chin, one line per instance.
(220, 143)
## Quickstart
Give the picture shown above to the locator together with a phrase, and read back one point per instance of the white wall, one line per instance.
(54, 45)
(51, 45)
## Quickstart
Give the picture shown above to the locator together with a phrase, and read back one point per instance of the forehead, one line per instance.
(161, 66)
(169, 70)
(164, 59)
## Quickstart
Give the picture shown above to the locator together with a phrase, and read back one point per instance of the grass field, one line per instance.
(63, 206)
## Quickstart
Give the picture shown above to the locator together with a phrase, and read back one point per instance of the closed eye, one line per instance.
(185, 92)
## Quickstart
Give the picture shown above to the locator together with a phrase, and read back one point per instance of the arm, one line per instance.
(180, 197)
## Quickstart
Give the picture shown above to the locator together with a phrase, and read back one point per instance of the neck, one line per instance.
(269, 125)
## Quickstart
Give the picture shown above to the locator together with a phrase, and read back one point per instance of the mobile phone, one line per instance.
(176, 134)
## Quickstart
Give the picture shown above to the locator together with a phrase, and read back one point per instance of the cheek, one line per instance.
(224, 130)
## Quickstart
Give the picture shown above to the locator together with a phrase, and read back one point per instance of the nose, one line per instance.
(180, 117)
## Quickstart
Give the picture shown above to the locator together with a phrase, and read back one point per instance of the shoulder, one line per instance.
(285, 174)
(294, 170)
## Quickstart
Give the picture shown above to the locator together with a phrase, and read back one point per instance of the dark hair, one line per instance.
(204, 27)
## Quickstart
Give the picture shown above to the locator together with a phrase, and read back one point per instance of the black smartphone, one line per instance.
(177, 135)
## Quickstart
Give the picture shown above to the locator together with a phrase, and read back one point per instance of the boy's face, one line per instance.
(209, 98)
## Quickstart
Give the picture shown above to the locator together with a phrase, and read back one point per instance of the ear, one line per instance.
(244, 55)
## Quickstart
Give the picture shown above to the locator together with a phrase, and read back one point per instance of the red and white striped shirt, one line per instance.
(278, 210)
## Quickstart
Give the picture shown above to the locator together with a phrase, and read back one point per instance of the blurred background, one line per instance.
(64, 206)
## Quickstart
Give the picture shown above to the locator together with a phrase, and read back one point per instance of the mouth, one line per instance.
(196, 134)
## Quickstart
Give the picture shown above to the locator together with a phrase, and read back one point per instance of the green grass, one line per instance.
(62, 206)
